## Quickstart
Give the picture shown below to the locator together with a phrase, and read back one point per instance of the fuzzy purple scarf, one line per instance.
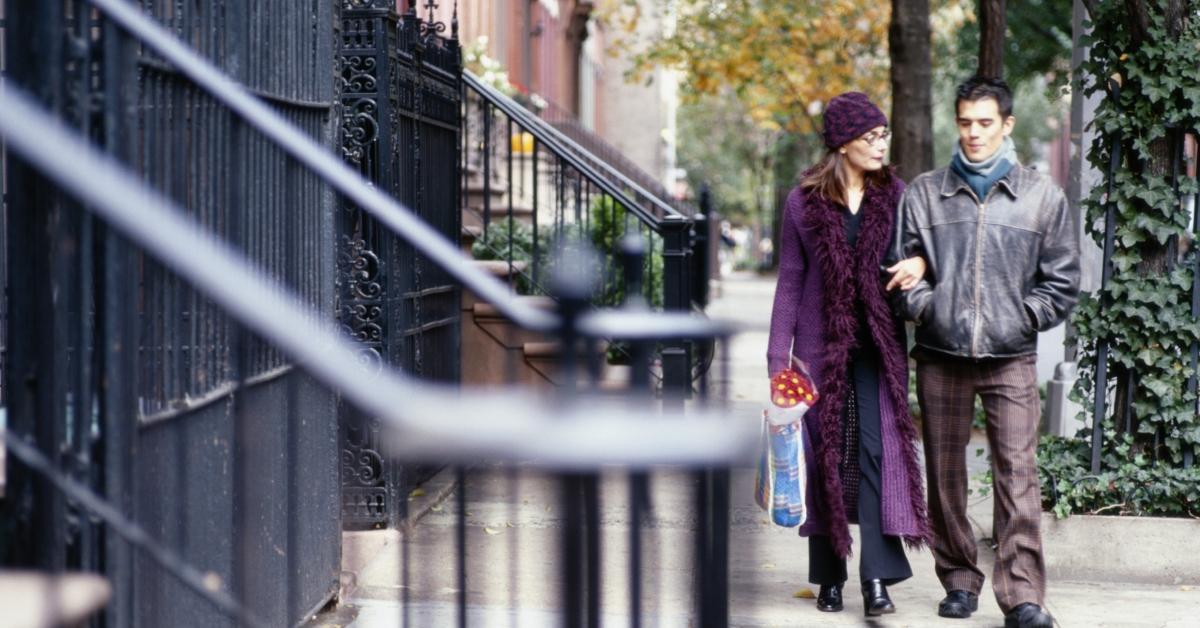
(847, 273)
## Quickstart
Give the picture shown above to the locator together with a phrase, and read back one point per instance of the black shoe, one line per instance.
(959, 604)
(875, 599)
(829, 598)
(1028, 615)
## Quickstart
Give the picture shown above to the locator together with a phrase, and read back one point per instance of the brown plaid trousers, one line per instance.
(946, 389)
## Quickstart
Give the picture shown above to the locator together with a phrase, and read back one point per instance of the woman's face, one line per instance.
(866, 152)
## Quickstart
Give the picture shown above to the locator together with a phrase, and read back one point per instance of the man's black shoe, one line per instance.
(829, 598)
(875, 599)
(1028, 615)
(958, 604)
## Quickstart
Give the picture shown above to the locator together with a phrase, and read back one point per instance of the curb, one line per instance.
(363, 548)
(428, 495)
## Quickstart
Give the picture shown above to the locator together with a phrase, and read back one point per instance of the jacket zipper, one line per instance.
(978, 265)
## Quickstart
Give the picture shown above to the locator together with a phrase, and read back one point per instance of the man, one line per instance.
(1002, 248)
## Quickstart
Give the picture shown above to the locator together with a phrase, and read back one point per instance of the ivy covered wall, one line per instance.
(1145, 59)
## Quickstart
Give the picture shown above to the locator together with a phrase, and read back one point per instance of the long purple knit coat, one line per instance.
(814, 318)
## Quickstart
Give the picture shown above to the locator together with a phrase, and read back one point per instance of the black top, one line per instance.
(853, 223)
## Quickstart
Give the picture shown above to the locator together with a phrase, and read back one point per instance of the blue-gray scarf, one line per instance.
(981, 176)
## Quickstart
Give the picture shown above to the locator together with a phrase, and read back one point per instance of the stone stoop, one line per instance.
(472, 217)
(496, 352)
(493, 348)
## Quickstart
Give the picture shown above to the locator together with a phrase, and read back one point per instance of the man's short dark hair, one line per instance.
(980, 87)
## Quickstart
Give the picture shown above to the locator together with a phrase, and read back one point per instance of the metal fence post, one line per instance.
(33, 376)
(701, 245)
(1101, 377)
(1189, 453)
(676, 354)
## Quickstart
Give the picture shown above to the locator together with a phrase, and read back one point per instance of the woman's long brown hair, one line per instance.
(829, 177)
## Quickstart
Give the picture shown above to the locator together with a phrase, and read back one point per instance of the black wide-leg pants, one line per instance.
(881, 557)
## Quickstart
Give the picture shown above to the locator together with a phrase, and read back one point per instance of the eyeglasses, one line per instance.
(873, 138)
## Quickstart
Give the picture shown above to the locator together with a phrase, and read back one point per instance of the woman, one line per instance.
(831, 311)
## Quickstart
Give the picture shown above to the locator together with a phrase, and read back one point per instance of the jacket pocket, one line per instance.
(1008, 329)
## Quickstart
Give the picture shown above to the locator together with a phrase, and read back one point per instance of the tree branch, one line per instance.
(1139, 19)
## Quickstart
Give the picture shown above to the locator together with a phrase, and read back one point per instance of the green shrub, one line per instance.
(604, 231)
(1130, 483)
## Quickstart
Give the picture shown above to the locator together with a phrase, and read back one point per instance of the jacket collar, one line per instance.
(1010, 182)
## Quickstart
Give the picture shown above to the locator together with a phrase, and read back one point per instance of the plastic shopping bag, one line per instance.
(781, 479)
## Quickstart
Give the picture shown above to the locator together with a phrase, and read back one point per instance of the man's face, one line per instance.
(981, 129)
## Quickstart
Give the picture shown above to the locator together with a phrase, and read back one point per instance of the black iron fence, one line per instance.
(400, 122)
(174, 390)
(609, 158)
(1114, 392)
(139, 387)
(528, 187)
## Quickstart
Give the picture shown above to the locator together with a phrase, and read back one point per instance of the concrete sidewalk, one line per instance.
(513, 536)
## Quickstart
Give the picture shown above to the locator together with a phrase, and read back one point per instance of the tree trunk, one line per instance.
(991, 38)
(912, 75)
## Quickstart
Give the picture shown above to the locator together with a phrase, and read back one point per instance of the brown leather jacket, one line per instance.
(999, 270)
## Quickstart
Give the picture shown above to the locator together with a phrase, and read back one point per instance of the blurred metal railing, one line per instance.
(91, 379)
(528, 187)
(570, 433)
(611, 160)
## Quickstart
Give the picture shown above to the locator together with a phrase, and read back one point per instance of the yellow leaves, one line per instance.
(805, 594)
(777, 57)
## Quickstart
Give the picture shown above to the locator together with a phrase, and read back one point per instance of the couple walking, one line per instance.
(981, 255)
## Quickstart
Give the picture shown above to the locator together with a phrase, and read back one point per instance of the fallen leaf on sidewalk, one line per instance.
(1186, 587)
(437, 508)
(508, 524)
(804, 594)
(768, 565)
(490, 532)
(417, 492)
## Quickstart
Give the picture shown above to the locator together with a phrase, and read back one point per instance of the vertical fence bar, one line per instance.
(702, 503)
(536, 254)
(573, 300)
(1189, 449)
(118, 340)
(460, 541)
(485, 110)
(701, 261)
(1101, 381)
(572, 556)
(632, 253)
(510, 227)
(33, 63)
(676, 355)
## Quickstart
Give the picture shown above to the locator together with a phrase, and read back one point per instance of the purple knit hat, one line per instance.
(848, 116)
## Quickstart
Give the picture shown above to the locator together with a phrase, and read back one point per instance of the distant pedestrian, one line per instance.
(831, 311)
(1003, 252)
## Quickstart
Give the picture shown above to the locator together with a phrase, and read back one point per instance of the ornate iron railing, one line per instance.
(493, 426)
(528, 187)
(611, 160)
(400, 129)
(241, 481)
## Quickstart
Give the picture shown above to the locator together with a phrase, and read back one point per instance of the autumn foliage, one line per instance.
(783, 59)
